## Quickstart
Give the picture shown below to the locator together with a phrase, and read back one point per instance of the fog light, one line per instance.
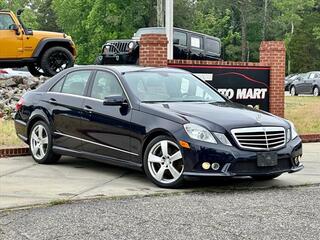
(215, 166)
(205, 165)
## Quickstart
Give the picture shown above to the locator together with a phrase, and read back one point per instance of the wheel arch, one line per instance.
(45, 44)
(152, 135)
(35, 117)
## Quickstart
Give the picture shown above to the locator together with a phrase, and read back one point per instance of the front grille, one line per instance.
(244, 167)
(260, 138)
(116, 47)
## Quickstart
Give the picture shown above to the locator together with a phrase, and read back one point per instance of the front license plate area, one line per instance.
(267, 159)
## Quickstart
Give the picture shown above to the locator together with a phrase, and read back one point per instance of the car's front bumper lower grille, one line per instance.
(260, 138)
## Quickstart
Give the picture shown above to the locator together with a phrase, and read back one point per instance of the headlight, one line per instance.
(199, 133)
(293, 131)
(131, 44)
(223, 139)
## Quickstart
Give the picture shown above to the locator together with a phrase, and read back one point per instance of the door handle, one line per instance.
(88, 108)
(52, 100)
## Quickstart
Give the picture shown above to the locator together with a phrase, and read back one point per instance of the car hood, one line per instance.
(215, 116)
(45, 34)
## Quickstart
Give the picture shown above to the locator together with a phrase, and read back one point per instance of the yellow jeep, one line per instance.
(44, 53)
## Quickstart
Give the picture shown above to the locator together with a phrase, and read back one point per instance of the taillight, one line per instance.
(19, 104)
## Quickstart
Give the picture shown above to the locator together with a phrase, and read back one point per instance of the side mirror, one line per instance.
(115, 101)
(15, 28)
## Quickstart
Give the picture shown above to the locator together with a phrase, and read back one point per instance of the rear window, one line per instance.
(212, 46)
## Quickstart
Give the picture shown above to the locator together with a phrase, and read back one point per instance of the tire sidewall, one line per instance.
(49, 148)
(176, 184)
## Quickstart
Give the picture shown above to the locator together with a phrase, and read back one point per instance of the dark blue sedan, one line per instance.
(164, 121)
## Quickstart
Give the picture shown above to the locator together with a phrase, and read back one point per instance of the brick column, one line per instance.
(153, 50)
(273, 54)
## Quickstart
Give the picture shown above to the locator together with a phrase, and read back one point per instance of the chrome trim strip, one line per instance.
(99, 144)
(20, 122)
(262, 142)
(86, 97)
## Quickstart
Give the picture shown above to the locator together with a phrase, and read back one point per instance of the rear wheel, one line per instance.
(316, 91)
(163, 162)
(265, 177)
(40, 141)
(293, 91)
(55, 60)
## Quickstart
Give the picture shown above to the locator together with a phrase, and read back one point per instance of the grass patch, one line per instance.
(304, 112)
(8, 137)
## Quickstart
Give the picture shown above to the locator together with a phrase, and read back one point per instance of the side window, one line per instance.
(212, 46)
(75, 82)
(180, 38)
(196, 42)
(5, 22)
(57, 86)
(105, 84)
(312, 76)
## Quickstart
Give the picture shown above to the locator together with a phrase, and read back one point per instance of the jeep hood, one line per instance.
(45, 34)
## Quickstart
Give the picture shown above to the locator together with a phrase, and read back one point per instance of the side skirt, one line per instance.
(98, 158)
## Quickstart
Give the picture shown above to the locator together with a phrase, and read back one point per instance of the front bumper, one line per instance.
(237, 162)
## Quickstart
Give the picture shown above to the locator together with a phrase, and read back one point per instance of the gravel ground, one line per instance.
(292, 213)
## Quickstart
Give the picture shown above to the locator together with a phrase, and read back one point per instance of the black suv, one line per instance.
(186, 45)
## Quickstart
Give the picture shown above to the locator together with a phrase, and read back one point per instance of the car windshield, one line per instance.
(170, 87)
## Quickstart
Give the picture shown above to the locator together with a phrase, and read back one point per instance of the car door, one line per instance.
(106, 129)
(299, 83)
(11, 43)
(180, 49)
(309, 82)
(65, 100)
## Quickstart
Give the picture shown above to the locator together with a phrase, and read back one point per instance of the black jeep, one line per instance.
(186, 45)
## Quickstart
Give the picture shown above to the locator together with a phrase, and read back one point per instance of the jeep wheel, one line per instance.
(55, 60)
(35, 70)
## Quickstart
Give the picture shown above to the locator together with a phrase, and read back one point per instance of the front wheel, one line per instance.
(265, 177)
(35, 70)
(293, 91)
(163, 162)
(40, 141)
(55, 60)
(316, 91)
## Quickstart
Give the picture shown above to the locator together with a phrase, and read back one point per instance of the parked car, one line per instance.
(9, 72)
(164, 121)
(289, 79)
(308, 83)
(44, 53)
(186, 45)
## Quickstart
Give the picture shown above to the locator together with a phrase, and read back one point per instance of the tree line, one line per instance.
(240, 24)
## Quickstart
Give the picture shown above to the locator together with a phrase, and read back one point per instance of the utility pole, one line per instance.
(160, 13)
(169, 28)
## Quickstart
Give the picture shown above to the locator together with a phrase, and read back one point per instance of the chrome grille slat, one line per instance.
(260, 138)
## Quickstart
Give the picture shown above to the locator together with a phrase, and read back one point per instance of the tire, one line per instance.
(35, 70)
(293, 91)
(316, 91)
(99, 60)
(168, 167)
(55, 60)
(41, 148)
(266, 177)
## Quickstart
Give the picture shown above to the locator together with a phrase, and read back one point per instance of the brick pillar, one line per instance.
(273, 54)
(153, 50)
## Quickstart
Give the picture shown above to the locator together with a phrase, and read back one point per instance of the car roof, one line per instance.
(122, 69)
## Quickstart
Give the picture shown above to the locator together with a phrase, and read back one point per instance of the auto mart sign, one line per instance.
(242, 84)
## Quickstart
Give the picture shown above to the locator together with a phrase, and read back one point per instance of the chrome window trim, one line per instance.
(259, 129)
(99, 144)
(91, 79)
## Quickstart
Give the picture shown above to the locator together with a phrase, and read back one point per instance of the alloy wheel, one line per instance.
(316, 91)
(39, 142)
(293, 91)
(165, 162)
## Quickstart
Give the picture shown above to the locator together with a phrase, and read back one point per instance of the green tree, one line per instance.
(46, 17)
